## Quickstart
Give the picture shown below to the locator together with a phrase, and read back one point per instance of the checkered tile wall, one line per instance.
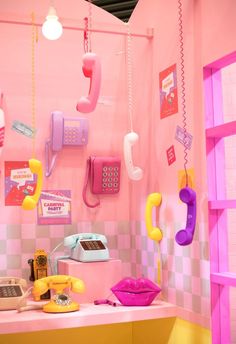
(185, 270)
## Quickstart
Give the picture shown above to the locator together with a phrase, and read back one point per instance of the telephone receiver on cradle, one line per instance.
(134, 172)
(60, 302)
(185, 236)
(30, 202)
(65, 131)
(91, 69)
(87, 247)
(154, 233)
(103, 174)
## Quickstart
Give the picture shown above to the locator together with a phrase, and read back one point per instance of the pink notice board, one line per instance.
(168, 91)
(19, 182)
(54, 207)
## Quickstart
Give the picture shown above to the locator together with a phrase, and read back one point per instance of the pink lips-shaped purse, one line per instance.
(135, 292)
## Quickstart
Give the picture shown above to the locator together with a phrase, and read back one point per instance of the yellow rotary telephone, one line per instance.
(60, 302)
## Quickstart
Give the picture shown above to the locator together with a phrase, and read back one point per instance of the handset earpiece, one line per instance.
(30, 202)
(91, 69)
(185, 236)
(134, 172)
(154, 233)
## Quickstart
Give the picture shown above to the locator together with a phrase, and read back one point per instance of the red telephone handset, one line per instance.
(91, 69)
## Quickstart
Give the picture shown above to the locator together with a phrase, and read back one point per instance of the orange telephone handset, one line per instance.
(154, 233)
(30, 202)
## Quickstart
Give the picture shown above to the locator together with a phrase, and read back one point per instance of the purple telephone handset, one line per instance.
(185, 236)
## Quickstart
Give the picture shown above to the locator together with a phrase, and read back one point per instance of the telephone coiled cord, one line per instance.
(182, 74)
(129, 77)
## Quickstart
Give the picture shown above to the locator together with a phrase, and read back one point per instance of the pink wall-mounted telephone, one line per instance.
(91, 69)
(134, 172)
(103, 173)
(64, 132)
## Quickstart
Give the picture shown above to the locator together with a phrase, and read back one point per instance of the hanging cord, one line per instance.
(87, 29)
(129, 77)
(86, 49)
(181, 41)
(34, 40)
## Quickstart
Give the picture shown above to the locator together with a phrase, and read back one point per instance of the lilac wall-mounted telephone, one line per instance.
(185, 236)
(64, 132)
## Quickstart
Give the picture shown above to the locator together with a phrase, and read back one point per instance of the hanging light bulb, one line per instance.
(52, 28)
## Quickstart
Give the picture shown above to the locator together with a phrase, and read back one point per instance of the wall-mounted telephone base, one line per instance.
(103, 275)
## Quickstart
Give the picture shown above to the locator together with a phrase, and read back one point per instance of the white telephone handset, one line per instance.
(134, 172)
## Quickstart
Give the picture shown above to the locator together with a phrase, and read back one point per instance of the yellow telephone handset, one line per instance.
(61, 302)
(30, 202)
(154, 233)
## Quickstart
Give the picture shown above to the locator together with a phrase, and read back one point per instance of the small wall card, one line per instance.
(168, 92)
(170, 153)
(180, 136)
(19, 182)
(54, 207)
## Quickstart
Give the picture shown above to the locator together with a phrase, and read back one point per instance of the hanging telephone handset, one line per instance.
(134, 172)
(30, 202)
(91, 69)
(103, 174)
(2, 123)
(154, 233)
(64, 132)
(185, 236)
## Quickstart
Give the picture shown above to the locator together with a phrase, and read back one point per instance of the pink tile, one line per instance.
(43, 243)
(187, 300)
(3, 232)
(196, 285)
(14, 246)
(110, 228)
(123, 241)
(28, 231)
(3, 261)
(56, 231)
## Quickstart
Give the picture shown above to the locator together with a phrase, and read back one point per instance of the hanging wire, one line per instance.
(33, 88)
(183, 101)
(90, 26)
(129, 77)
(86, 35)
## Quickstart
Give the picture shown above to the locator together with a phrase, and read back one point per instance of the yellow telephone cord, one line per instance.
(33, 88)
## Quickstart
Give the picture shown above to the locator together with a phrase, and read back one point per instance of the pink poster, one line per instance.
(19, 182)
(54, 207)
(168, 92)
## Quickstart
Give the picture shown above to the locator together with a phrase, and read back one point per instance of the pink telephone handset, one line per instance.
(30, 202)
(2, 124)
(91, 69)
(134, 172)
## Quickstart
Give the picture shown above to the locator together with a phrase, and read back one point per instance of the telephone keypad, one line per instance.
(111, 183)
(10, 291)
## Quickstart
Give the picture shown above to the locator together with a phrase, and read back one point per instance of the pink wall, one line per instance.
(59, 85)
